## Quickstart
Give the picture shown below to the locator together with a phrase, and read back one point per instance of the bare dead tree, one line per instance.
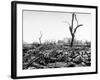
(40, 37)
(73, 30)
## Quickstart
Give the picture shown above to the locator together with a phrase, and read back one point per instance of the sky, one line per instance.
(54, 26)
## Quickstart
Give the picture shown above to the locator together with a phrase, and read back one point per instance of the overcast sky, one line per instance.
(53, 26)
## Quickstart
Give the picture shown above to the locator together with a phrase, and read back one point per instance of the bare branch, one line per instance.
(76, 19)
(72, 20)
(67, 22)
(77, 28)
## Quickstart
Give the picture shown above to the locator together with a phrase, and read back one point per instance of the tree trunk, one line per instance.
(72, 40)
(40, 37)
(40, 40)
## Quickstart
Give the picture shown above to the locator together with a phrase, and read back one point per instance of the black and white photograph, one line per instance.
(55, 39)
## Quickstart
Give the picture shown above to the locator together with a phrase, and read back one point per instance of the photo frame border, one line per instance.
(14, 38)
